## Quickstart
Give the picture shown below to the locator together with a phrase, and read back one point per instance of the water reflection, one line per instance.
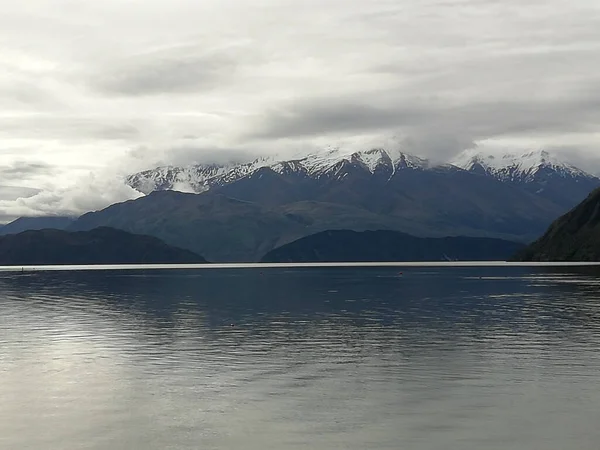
(283, 358)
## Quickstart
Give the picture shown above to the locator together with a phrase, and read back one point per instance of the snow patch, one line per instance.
(326, 162)
(516, 166)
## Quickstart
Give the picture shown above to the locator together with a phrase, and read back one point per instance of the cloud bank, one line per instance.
(107, 88)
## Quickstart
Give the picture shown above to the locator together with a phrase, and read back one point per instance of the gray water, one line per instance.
(319, 358)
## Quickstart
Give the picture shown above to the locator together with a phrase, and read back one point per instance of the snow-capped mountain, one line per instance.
(196, 178)
(517, 167)
(251, 208)
(538, 172)
(326, 163)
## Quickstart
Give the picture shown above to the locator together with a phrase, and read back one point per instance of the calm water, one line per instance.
(346, 358)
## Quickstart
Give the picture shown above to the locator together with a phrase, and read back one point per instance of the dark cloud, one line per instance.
(325, 115)
(19, 170)
(28, 95)
(193, 155)
(9, 193)
(459, 124)
(175, 71)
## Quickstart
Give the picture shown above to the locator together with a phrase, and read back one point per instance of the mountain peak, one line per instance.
(326, 162)
(533, 167)
(321, 162)
(519, 166)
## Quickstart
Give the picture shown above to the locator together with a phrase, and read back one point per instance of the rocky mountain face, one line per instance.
(351, 246)
(573, 237)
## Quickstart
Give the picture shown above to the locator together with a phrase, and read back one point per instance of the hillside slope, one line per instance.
(573, 237)
(350, 246)
(226, 229)
(36, 223)
(98, 246)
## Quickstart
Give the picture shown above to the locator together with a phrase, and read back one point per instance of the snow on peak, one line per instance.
(515, 166)
(371, 159)
(184, 179)
(328, 161)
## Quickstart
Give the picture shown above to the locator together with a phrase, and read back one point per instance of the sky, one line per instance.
(93, 90)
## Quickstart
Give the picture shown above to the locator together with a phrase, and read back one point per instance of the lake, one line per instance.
(421, 357)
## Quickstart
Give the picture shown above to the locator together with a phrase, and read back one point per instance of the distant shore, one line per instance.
(293, 265)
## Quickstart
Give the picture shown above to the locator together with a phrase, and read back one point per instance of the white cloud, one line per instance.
(88, 193)
(112, 86)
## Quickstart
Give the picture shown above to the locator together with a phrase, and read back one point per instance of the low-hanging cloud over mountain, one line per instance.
(108, 88)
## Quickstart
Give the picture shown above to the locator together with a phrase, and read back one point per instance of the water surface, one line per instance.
(320, 358)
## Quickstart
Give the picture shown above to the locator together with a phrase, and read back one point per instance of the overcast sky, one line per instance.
(90, 90)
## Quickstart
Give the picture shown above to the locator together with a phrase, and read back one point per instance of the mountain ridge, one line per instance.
(102, 245)
(386, 246)
(27, 223)
(516, 166)
(537, 172)
(200, 177)
(509, 167)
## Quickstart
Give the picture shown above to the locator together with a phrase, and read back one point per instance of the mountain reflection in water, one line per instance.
(353, 358)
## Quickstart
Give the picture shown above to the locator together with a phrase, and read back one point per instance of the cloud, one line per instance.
(16, 192)
(67, 127)
(447, 126)
(187, 151)
(89, 193)
(179, 70)
(19, 170)
(186, 155)
(329, 115)
(182, 81)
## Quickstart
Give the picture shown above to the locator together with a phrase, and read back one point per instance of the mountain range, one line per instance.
(240, 212)
(512, 197)
(538, 170)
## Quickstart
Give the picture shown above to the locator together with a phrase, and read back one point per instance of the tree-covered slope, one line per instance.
(350, 246)
(98, 246)
(572, 237)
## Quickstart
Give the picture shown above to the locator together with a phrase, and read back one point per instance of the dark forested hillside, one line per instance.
(573, 237)
(348, 246)
(98, 246)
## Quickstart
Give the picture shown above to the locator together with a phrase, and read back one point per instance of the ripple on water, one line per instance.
(495, 358)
